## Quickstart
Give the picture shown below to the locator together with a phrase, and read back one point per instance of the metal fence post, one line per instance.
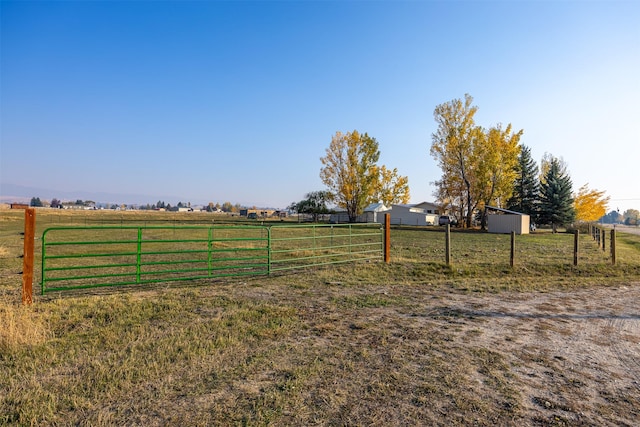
(269, 250)
(387, 238)
(447, 244)
(27, 261)
(139, 255)
(209, 250)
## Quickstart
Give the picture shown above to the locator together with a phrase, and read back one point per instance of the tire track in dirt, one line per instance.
(575, 352)
(624, 344)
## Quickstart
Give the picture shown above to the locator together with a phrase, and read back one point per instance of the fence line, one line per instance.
(598, 233)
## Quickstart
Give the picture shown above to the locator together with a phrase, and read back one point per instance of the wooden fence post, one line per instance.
(447, 244)
(513, 249)
(387, 238)
(27, 260)
(576, 236)
(604, 234)
(613, 247)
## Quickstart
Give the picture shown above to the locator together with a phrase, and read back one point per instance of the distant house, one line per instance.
(412, 214)
(430, 208)
(503, 221)
(372, 213)
(424, 213)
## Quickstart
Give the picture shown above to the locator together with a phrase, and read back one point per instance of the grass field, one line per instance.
(412, 342)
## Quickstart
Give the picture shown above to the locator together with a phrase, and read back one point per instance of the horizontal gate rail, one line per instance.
(97, 256)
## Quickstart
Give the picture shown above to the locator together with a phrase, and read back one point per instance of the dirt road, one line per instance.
(575, 352)
(627, 229)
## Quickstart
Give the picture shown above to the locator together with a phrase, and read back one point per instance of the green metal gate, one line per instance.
(300, 246)
(88, 257)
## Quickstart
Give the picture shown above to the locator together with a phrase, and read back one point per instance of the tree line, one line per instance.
(481, 167)
(227, 207)
(55, 203)
(489, 167)
(628, 217)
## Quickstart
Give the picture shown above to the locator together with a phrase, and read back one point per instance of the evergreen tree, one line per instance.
(526, 185)
(556, 200)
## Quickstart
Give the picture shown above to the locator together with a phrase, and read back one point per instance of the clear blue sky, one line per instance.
(237, 101)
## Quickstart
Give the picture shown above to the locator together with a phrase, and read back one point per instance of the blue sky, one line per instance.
(237, 101)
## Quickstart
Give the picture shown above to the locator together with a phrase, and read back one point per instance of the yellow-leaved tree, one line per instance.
(453, 149)
(497, 158)
(478, 166)
(392, 188)
(354, 179)
(590, 205)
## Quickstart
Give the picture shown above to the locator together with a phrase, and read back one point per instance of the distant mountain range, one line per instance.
(12, 193)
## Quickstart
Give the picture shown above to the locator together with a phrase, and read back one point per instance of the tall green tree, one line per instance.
(545, 164)
(453, 148)
(526, 185)
(556, 200)
(351, 173)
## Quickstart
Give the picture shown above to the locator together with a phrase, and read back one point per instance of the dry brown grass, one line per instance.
(21, 327)
(413, 342)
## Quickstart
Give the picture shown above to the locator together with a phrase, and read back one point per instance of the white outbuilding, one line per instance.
(409, 215)
(372, 213)
(503, 221)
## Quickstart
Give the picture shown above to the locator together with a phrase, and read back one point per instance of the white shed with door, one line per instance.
(504, 221)
(409, 215)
